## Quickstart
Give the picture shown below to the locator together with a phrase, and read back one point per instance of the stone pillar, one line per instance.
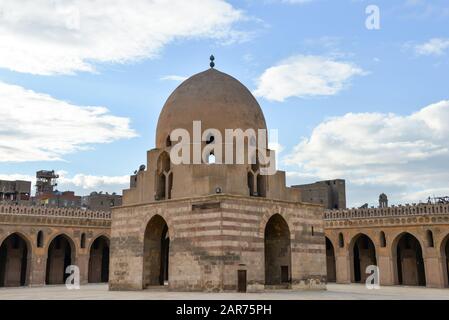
(38, 268)
(433, 267)
(343, 265)
(386, 269)
(82, 261)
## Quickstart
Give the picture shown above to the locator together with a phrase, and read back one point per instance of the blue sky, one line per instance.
(369, 106)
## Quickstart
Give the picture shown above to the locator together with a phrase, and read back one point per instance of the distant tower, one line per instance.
(45, 181)
(383, 201)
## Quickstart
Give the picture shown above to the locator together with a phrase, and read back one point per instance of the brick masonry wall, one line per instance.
(212, 237)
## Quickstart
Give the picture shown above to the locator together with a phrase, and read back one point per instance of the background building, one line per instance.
(99, 201)
(330, 193)
(16, 192)
(47, 195)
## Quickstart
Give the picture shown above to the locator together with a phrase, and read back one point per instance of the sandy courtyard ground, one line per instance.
(333, 292)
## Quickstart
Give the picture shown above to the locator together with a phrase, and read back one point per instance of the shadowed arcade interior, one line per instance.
(410, 263)
(330, 261)
(364, 255)
(60, 255)
(156, 252)
(99, 261)
(277, 251)
(14, 264)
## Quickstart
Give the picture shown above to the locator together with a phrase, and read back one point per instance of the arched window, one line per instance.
(341, 242)
(313, 231)
(382, 239)
(164, 177)
(40, 239)
(429, 238)
(257, 183)
(83, 240)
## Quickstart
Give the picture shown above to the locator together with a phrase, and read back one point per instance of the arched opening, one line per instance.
(61, 254)
(14, 256)
(168, 142)
(156, 252)
(445, 258)
(277, 251)
(364, 255)
(341, 240)
(83, 241)
(251, 183)
(99, 260)
(261, 185)
(382, 239)
(429, 239)
(330, 261)
(163, 180)
(409, 261)
(40, 239)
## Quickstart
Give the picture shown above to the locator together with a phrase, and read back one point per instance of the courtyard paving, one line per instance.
(333, 292)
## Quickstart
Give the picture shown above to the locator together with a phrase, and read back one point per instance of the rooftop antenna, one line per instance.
(212, 58)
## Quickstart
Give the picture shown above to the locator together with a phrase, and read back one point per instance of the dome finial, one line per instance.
(212, 58)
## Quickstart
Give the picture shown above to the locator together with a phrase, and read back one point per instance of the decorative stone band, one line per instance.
(53, 212)
(394, 211)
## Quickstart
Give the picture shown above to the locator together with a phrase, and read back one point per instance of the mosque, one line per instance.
(210, 224)
(214, 226)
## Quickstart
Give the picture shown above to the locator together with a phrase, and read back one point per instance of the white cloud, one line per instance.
(435, 46)
(305, 76)
(174, 78)
(63, 37)
(407, 155)
(296, 1)
(92, 182)
(37, 127)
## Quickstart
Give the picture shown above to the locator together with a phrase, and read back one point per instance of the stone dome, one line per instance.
(217, 99)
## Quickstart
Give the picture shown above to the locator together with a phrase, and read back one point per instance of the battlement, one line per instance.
(6, 209)
(393, 211)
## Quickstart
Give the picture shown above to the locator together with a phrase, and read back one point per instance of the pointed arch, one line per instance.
(163, 180)
(382, 240)
(408, 259)
(40, 239)
(277, 251)
(99, 260)
(156, 252)
(444, 251)
(61, 253)
(330, 261)
(15, 259)
(363, 254)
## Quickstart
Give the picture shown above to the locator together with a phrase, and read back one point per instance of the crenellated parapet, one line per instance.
(6, 209)
(393, 211)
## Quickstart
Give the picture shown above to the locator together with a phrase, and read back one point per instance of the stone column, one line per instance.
(38, 268)
(386, 267)
(82, 261)
(343, 265)
(433, 267)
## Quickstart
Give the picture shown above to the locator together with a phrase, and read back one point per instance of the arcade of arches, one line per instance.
(412, 256)
(36, 248)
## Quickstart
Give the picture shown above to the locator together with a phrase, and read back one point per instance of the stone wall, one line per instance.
(79, 227)
(213, 237)
(386, 228)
